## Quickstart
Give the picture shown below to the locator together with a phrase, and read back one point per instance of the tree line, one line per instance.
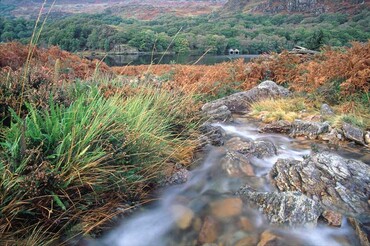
(252, 34)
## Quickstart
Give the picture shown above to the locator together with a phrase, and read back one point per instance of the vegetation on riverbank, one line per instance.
(82, 142)
(250, 33)
(76, 153)
(336, 76)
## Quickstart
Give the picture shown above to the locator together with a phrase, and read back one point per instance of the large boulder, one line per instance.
(218, 110)
(353, 133)
(283, 208)
(309, 129)
(339, 184)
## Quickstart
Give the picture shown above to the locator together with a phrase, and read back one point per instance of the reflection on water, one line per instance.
(142, 59)
(200, 211)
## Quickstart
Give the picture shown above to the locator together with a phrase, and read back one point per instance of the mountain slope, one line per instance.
(141, 9)
(296, 6)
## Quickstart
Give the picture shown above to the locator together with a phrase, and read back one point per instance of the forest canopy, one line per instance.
(252, 34)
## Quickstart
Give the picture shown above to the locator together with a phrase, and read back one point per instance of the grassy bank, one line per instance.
(76, 153)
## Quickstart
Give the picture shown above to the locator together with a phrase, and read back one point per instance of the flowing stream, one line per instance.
(193, 212)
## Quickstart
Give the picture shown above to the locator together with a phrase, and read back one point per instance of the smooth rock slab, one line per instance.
(339, 184)
(283, 208)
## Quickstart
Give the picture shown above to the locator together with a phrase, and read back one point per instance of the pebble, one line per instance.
(209, 231)
(226, 208)
(183, 216)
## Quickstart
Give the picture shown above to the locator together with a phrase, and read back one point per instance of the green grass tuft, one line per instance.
(60, 164)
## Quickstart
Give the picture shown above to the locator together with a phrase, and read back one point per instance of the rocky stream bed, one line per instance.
(261, 184)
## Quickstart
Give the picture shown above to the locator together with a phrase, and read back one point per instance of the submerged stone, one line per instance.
(236, 165)
(209, 231)
(183, 216)
(226, 208)
(267, 238)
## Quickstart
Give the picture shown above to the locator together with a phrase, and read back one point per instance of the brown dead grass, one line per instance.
(13, 56)
(301, 73)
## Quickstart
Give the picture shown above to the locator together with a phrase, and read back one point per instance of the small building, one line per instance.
(234, 52)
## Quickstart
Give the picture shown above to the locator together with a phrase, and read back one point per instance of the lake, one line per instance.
(143, 59)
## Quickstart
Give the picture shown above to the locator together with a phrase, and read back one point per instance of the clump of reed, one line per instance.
(71, 166)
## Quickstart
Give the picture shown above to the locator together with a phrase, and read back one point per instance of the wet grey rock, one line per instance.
(281, 126)
(217, 112)
(236, 164)
(240, 102)
(341, 185)
(326, 110)
(283, 208)
(263, 149)
(353, 133)
(362, 231)
(249, 148)
(242, 146)
(213, 135)
(309, 129)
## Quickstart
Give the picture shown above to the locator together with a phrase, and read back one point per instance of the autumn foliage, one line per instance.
(48, 70)
(14, 55)
(341, 72)
(303, 73)
(198, 78)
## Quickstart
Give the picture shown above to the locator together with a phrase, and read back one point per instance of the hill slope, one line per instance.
(141, 9)
(296, 6)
